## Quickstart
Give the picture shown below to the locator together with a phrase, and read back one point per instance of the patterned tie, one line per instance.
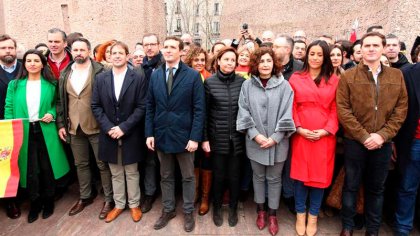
(170, 80)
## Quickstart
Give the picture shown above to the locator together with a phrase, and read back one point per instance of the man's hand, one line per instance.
(192, 146)
(62, 133)
(375, 141)
(206, 146)
(115, 132)
(260, 139)
(150, 142)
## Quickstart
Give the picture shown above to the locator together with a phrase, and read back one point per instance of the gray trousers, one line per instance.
(273, 176)
(123, 175)
(167, 182)
(80, 148)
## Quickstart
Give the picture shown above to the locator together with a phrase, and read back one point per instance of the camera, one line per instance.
(245, 26)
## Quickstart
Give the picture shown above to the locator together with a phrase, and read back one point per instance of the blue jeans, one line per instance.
(315, 198)
(407, 192)
(371, 167)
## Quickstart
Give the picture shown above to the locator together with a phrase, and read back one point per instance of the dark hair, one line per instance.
(4, 37)
(416, 54)
(403, 47)
(84, 41)
(193, 53)
(45, 71)
(374, 34)
(180, 42)
(373, 27)
(150, 34)
(139, 43)
(95, 51)
(327, 68)
(342, 55)
(72, 37)
(217, 43)
(40, 45)
(347, 48)
(299, 41)
(121, 44)
(221, 53)
(57, 30)
(256, 58)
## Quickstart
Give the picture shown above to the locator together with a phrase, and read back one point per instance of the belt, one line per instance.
(35, 123)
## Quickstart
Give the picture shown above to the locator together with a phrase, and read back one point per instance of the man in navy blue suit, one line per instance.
(175, 112)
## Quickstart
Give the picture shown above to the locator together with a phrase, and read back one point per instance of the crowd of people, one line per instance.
(285, 113)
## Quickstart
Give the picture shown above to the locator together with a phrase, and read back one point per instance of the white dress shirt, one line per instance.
(33, 99)
(118, 82)
(78, 78)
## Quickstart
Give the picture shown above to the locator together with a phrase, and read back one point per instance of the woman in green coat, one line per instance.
(42, 159)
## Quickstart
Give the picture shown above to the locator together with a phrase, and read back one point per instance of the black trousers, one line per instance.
(226, 169)
(40, 177)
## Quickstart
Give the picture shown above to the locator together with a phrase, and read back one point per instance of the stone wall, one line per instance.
(98, 20)
(316, 17)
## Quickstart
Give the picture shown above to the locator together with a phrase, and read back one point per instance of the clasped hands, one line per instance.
(312, 135)
(375, 141)
(264, 142)
(115, 132)
(191, 145)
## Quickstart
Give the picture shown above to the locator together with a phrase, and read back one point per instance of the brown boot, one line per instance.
(300, 223)
(197, 183)
(312, 226)
(206, 176)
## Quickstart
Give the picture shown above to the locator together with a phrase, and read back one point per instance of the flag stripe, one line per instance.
(13, 182)
(6, 143)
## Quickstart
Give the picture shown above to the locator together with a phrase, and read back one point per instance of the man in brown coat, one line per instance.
(371, 106)
(77, 125)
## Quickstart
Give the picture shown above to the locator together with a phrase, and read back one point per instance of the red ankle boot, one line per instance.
(261, 219)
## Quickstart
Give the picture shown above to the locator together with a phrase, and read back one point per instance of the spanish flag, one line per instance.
(11, 137)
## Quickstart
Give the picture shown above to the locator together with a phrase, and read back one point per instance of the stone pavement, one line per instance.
(87, 222)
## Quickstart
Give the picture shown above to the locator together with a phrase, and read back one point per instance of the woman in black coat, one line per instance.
(221, 138)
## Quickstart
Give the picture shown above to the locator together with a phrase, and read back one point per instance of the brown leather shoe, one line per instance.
(80, 205)
(112, 215)
(106, 208)
(135, 214)
(346, 232)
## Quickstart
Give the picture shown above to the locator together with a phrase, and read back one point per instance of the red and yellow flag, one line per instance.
(11, 137)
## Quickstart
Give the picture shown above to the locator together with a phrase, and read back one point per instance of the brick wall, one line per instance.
(98, 20)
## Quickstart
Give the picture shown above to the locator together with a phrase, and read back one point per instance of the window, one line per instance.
(216, 27)
(178, 25)
(197, 28)
(216, 9)
(178, 7)
(197, 10)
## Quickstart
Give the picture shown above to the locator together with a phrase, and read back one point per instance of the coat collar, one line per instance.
(128, 79)
(272, 83)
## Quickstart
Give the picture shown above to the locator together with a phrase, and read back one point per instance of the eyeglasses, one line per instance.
(150, 45)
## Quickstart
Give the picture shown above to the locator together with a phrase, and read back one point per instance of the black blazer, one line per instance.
(405, 136)
(4, 82)
(126, 113)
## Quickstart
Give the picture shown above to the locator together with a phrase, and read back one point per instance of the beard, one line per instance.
(8, 59)
(80, 60)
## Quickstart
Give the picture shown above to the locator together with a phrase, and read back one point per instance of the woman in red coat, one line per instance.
(313, 145)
